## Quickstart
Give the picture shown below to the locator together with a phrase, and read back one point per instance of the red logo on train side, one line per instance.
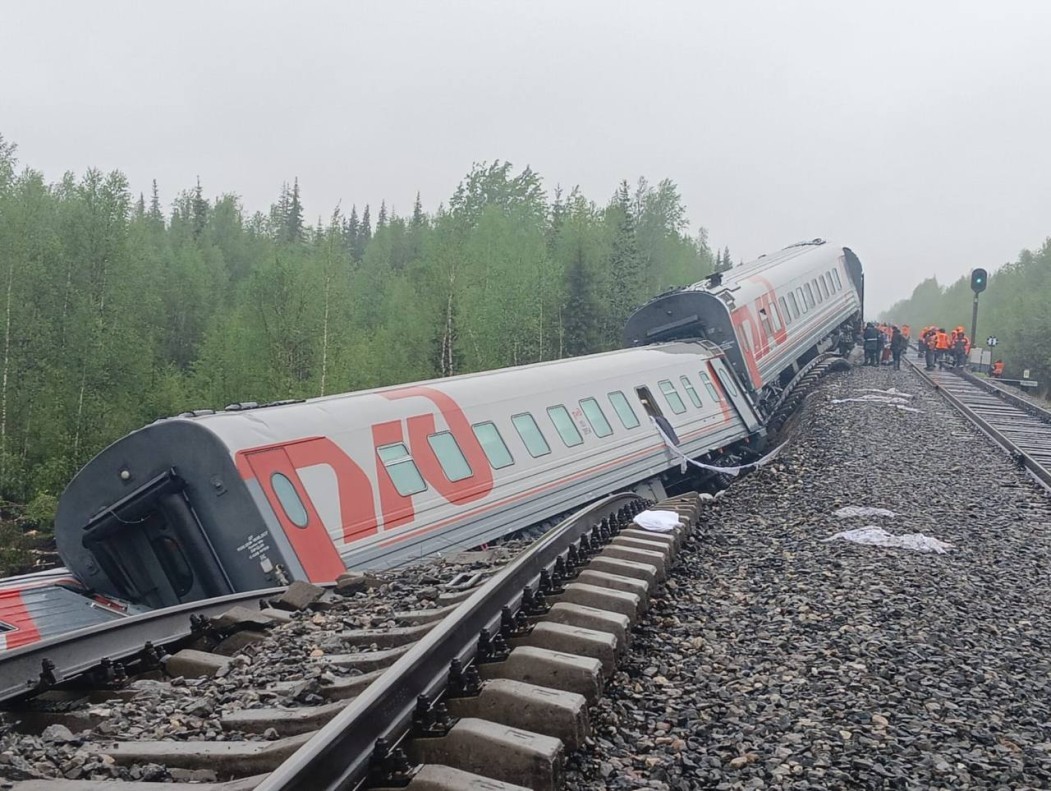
(356, 495)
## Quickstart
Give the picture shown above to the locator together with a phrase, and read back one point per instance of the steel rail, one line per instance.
(66, 656)
(1011, 398)
(1021, 455)
(338, 755)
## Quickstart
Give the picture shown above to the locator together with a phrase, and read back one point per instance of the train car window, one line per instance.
(627, 415)
(773, 319)
(808, 296)
(802, 300)
(493, 444)
(767, 320)
(688, 387)
(817, 291)
(6, 627)
(564, 425)
(530, 433)
(784, 310)
(707, 382)
(795, 305)
(403, 472)
(824, 285)
(596, 417)
(289, 499)
(450, 457)
(839, 283)
(672, 396)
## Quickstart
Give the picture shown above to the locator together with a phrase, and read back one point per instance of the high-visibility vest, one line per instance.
(941, 341)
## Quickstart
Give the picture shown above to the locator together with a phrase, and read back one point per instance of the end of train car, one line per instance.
(770, 316)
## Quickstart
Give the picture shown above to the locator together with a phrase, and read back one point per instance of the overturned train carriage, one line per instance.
(770, 316)
(208, 504)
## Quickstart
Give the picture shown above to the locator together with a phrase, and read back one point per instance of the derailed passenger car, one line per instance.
(770, 316)
(208, 504)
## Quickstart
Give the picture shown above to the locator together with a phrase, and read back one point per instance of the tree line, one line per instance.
(117, 309)
(1013, 308)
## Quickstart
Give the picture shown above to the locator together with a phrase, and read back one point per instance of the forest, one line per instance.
(1013, 308)
(119, 309)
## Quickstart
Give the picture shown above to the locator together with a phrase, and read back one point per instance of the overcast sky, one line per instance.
(916, 133)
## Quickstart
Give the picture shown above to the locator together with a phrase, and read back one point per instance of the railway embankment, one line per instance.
(778, 656)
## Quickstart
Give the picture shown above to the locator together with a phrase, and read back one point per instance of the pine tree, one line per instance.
(418, 217)
(381, 220)
(364, 233)
(624, 266)
(294, 216)
(350, 234)
(140, 208)
(580, 317)
(199, 208)
(155, 215)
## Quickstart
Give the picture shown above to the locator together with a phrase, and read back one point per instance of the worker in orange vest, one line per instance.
(941, 346)
(929, 353)
(998, 369)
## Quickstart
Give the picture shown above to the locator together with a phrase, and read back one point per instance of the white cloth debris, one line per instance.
(657, 521)
(861, 510)
(898, 402)
(733, 471)
(893, 391)
(878, 537)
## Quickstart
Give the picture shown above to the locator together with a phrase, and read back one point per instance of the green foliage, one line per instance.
(114, 312)
(1013, 308)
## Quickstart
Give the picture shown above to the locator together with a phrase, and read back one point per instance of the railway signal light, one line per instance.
(978, 280)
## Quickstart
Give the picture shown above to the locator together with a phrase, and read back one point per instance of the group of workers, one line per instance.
(884, 344)
(941, 349)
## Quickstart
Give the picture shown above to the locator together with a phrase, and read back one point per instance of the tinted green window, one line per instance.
(710, 387)
(593, 412)
(623, 409)
(493, 444)
(672, 396)
(690, 391)
(564, 425)
(289, 499)
(401, 469)
(445, 447)
(529, 431)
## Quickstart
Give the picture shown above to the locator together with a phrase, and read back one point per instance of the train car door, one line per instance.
(299, 518)
(733, 392)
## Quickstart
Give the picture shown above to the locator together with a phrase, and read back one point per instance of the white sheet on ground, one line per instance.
(891, 391)
(877, 536)
(894, 401)
(849, 511)
(657, 521)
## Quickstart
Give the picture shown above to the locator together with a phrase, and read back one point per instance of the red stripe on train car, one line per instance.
(14, 613)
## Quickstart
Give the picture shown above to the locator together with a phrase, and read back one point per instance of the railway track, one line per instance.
(1020, 427)
(486, 688)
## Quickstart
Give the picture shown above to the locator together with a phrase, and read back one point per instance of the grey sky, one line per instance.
(918, 133)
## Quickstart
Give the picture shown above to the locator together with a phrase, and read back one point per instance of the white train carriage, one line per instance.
(770, 316)
(243, 499)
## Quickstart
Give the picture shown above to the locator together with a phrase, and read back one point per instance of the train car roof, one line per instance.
(492, 386)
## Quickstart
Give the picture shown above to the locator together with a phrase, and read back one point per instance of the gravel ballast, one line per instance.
(777, 659)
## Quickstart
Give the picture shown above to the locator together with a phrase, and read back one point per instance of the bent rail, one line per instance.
(38, 666)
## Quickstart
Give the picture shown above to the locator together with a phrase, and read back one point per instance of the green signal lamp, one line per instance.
(979, 279)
